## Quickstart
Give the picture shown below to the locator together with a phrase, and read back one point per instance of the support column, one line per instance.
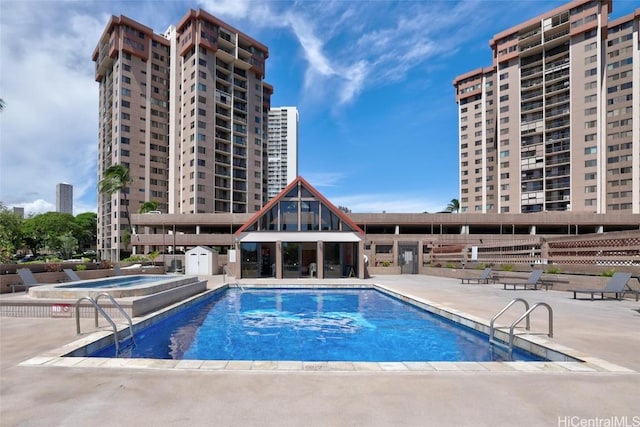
(320, 259)
(279, 259)
(361, 259)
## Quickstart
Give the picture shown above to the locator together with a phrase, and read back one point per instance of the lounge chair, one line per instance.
(132, 267)
(28, 279)
(616, 285)
(117, 271)
(483, 279)
(532, 282)
(72, 275)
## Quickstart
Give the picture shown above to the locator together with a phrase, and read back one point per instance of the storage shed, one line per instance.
(202, 261)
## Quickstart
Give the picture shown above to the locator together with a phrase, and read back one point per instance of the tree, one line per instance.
(117, 179)
(148, 207)
(453, 206)
(2, 104)
(87, 231)
(10, 233)
(67, 245)
(344, 209)
(46, 230)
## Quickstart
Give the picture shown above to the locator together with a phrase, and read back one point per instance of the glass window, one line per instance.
(269, 220)
(309, 216)
(289, 216)
(329, 220)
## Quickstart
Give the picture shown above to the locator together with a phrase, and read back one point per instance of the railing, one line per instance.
(525, 315)
(501, 312)
(97, 307)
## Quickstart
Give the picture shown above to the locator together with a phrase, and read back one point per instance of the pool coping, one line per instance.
(561, 358)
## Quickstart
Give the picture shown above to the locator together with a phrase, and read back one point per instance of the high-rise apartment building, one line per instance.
(282, 149)
(186, 113)
(554, 123)
(64, 198)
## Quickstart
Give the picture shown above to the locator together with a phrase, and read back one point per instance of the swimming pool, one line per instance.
(310, 325)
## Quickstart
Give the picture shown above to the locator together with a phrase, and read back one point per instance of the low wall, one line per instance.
(561, 282)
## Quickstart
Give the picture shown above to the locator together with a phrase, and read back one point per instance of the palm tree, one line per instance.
(148, 207)
(117, 179)
(453, 206)
(2, 104)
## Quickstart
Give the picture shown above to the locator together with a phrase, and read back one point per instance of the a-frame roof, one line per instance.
(314, 193)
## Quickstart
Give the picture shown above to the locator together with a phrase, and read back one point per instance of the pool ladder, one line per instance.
(525, 315)
(98, 308)
(226, 274)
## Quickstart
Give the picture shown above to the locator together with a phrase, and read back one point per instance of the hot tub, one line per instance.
(117, 287)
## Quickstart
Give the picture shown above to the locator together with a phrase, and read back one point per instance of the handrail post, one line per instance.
(104, 314)
(119, 307)
(491, 327)
(513, 325)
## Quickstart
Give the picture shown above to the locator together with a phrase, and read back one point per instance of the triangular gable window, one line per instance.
(300, 209)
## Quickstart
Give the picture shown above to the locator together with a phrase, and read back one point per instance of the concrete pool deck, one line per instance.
(446, 395)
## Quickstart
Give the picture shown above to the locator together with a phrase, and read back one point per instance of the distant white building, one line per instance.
(64, 198)
(282, 149)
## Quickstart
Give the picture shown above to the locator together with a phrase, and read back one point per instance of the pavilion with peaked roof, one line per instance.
(299, 233)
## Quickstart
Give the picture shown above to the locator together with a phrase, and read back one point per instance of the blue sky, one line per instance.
(372, 81)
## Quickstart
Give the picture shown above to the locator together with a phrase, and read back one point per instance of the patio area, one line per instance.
(318, 394)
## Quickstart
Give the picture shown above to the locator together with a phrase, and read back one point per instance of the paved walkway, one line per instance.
(80, 396)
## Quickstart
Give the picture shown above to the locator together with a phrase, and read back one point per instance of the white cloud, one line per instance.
(49, 128)
(229, 8)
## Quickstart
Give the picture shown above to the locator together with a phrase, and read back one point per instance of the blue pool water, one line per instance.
(114, 282)
(310, 325)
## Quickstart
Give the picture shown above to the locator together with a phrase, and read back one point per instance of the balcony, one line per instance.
(531, 71)
(531, 94)
(558, 171)
(557, 111)
(223, 98)
(554, 124)
(558, 159)
(556, 147)
(532, 33)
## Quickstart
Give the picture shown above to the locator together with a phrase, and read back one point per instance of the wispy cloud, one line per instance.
(388, 202)
(325, 179)
(345, 54)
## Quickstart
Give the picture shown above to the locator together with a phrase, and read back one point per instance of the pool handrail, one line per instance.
(104, 314)
(97, 307)
(119, 307)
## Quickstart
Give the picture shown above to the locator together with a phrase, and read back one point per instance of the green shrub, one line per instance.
(553, 270)
(136, 258)
(450, 265)
(507, 267)
(81, 267)
(608, 273)
(386, 263)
